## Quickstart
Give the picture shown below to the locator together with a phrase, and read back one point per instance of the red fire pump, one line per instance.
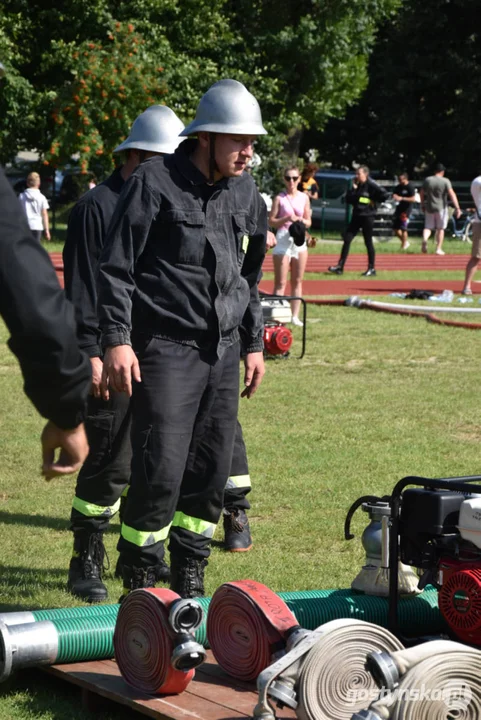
(440, 533)
(277, 339)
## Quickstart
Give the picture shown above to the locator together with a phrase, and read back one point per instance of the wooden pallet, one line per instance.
(212, 695)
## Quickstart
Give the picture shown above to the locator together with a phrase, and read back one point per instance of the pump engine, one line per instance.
(440, 534)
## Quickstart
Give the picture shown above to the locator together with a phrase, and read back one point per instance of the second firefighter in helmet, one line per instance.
(178, 284)
(106, 472)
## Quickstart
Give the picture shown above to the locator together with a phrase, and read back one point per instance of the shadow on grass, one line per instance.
(46, 521)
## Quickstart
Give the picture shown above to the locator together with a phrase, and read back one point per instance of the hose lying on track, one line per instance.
(246, 624)
(155, 653)
(435, 680)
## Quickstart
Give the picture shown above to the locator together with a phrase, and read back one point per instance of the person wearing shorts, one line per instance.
(435, 195)
(405, 195)
(288, 207)
(473, 261)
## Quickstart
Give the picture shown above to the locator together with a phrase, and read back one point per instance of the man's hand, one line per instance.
(120, 366)
(254, 372)
(97, 367)
(73, 450)
(458, 213)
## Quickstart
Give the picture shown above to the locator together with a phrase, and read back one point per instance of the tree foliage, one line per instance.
(423, 97)
(305, 60)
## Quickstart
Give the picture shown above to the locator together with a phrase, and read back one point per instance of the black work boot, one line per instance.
(370, 272)
(86, 565)
(237, 536)
(162, 571)
(336, 269)
(187, 576)
(136, 578)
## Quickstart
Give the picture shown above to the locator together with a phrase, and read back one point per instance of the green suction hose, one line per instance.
(86, 633)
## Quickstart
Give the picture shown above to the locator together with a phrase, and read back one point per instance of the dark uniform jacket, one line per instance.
(365, 196)
(182, 258)
(87, 229)
(40, 321)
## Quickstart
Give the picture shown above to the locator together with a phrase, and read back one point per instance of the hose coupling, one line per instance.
(383, 669)
(187, 653)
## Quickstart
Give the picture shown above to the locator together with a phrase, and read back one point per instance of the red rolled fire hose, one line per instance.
(246, 624)
(144, 641)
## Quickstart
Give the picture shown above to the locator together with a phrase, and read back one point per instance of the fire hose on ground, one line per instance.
(155, 648)
(435, 680)
(86, 633)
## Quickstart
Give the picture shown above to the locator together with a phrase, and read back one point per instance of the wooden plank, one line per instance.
(207, 698)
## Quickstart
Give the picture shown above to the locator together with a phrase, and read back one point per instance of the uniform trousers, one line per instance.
(366, 224)
(184, 415)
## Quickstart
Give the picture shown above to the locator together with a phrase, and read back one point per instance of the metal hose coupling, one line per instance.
(154, 648)
(438, 683)
(327, 670)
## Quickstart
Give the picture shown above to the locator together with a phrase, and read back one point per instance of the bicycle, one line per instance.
(465, 230)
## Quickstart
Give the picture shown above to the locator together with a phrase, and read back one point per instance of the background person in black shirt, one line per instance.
(405, 195)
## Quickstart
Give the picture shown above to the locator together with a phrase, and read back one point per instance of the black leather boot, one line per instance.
(136, 578)
(370, 272)
(162, 571)
(237, 536)
(336, 269)
(187, 576)
(86, 565)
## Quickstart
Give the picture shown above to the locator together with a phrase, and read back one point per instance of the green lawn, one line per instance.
(376, 398)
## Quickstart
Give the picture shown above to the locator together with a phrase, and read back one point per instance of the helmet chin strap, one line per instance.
(212, 163)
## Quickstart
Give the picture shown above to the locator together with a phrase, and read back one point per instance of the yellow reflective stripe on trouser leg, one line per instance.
(238, 481)
(195, 525)
(144, 538)
(92, 510)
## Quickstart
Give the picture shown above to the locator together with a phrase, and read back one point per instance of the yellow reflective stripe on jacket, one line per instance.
(195, 525)
(364, 200)
(144, 538)
(91, 510)
(125, 491)
(239, 481)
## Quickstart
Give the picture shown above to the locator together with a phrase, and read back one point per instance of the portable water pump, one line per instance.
(436, 528)
(277, 339)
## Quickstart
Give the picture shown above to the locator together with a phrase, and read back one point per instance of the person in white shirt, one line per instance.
(473, 262)
(35, 206)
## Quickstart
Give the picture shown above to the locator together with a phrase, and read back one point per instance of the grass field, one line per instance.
(377, 397)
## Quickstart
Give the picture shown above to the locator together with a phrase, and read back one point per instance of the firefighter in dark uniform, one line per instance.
(178, 277)
(42, 336)
(105, 474)
(363, 196)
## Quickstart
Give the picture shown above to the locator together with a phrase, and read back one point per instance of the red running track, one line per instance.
(361, 286)
(386, 261)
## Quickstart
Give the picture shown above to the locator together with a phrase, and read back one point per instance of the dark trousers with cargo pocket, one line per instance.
(366, 224)
(106, 472)
(184, 414)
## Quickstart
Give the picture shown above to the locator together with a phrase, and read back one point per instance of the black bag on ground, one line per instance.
(419, 295)
(297, 231)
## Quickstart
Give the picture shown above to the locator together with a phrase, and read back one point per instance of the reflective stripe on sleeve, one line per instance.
(195, 525)
(91, 510)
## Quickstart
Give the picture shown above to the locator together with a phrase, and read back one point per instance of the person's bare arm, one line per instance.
(454, 199)
(275, 221)
(306, 218)
(46, 227)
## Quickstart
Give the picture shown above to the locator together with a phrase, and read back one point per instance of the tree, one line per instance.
(305, 60)
(423, 97)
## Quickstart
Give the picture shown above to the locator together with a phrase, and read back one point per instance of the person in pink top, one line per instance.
(288, 207)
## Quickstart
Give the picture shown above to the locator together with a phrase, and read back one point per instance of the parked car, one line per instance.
(329, 211)
(17, 176)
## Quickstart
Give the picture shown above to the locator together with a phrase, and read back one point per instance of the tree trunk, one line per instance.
(292, 147)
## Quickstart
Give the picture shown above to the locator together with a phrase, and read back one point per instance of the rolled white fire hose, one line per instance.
(327, 668)
(440, 680)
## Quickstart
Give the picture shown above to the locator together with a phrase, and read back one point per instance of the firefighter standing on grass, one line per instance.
(180, 269)
(106, 472)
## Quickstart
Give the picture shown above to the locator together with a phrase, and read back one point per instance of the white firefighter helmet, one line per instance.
(157, 129)
(227, 107)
